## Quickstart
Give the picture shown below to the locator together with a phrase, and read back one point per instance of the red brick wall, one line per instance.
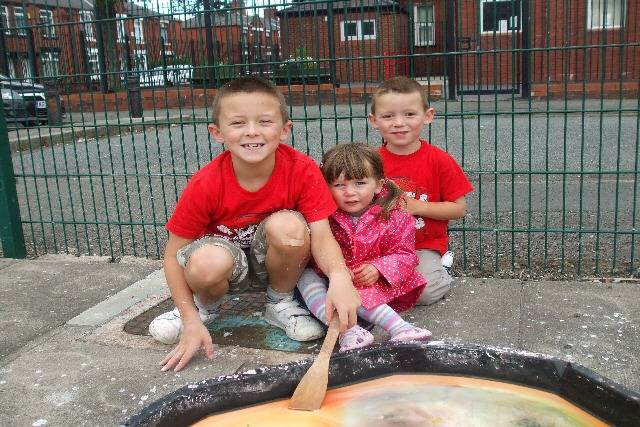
(312, 34)
(556, 27)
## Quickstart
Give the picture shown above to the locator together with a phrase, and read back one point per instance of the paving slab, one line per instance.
(41, 295)
(483, 311)
(595, 324)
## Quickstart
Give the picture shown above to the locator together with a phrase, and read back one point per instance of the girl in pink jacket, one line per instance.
(377, 239)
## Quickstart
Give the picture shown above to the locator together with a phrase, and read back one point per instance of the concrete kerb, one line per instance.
(24, 139)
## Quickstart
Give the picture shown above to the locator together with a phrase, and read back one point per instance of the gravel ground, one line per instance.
(548, 201)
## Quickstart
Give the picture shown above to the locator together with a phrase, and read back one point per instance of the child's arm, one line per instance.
(194, 334)
(341, 295)
(437, 210)
(398, 246)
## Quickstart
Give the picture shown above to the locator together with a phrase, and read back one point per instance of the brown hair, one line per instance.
(399, 84)
(358, 161)
(249, 85)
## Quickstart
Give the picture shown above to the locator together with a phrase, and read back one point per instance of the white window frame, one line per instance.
(47, 19)
(92, 58)
(20, 31)
(501, 31)
(140, 54)
(165, 24)
(86, 17)
(52, 57)
(138, 30)
(605, 25)
(359, 36)
(418, 25)
(23, 62)
(120, 24)
(6, 24)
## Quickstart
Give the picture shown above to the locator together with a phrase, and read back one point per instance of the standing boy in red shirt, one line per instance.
(434, 183)
(260, 208)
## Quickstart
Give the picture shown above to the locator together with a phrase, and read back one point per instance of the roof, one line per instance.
(130, 8)
(340, 6)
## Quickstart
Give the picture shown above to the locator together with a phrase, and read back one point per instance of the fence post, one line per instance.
(10, 225)
(526, 52)
(54, 107)
(450, 43)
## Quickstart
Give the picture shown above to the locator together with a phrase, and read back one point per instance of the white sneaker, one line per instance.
(296, 321)
(167, 327)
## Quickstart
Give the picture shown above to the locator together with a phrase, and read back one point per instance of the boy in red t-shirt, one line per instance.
(259, 209)
(434, 183)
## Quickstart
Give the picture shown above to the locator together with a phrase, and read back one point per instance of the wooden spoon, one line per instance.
(312, 388)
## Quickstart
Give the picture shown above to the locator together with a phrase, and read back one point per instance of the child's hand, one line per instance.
(365, 275)
(194, 337)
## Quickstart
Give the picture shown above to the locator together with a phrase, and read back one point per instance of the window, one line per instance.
(605, 13)
(4, 15)
(138, 30)
(500, 16)
(50, 63)
(164, 31)
(358, 30)
(94, 68)
(21, 21)
(424, 25)
(22, 64)
(86, 17)
(140, 60)
(121, 27)
(46, 19)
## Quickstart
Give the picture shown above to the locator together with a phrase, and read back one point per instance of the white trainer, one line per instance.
(167, 327)
(296, 321)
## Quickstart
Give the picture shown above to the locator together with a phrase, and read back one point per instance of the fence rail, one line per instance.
(106, 111)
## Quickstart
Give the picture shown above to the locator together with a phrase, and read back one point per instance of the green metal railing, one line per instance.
(538, 101)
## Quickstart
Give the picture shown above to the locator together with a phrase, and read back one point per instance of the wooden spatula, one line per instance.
(310, 392)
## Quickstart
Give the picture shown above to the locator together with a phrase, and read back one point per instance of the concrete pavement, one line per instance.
(65, 360)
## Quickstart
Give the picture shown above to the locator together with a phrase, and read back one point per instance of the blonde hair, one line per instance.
(399, 84)
(249, 85)
(357, 160)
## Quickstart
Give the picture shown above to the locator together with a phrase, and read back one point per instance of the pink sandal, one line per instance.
(356, 337)
(413, 334)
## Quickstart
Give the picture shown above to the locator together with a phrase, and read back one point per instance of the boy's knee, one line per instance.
(287, 230)
(207, 266)
(438, 285)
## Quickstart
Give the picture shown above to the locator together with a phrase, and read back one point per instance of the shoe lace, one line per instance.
(291, 308)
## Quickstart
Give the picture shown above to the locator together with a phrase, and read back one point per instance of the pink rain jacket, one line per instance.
(389, 245)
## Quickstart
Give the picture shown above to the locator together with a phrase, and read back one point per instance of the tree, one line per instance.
(107, 34)
(193, 6)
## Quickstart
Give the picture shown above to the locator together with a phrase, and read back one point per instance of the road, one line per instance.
(576, 172)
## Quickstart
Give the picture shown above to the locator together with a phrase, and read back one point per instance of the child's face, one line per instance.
(355, 195)
(400, 118)
(250, 126)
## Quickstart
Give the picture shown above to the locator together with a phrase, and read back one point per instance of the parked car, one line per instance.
(176, 75)
(15, 107)
(34, 97)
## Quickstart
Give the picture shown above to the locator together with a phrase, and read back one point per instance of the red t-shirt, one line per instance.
(214, 203)
(430, 174)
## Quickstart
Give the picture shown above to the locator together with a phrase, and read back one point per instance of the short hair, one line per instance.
(357, 160)
(399, 84)
(249, 85)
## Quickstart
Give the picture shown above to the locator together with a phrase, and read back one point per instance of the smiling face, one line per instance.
(354, 196)
(400, 118)
(251, 127)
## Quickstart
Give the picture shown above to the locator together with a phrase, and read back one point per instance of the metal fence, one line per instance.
(107, 106)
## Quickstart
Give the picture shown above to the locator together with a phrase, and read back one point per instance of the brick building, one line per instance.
(52, 38)
(584, 42)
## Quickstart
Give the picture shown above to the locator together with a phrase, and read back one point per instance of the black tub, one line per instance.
(577, 384)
